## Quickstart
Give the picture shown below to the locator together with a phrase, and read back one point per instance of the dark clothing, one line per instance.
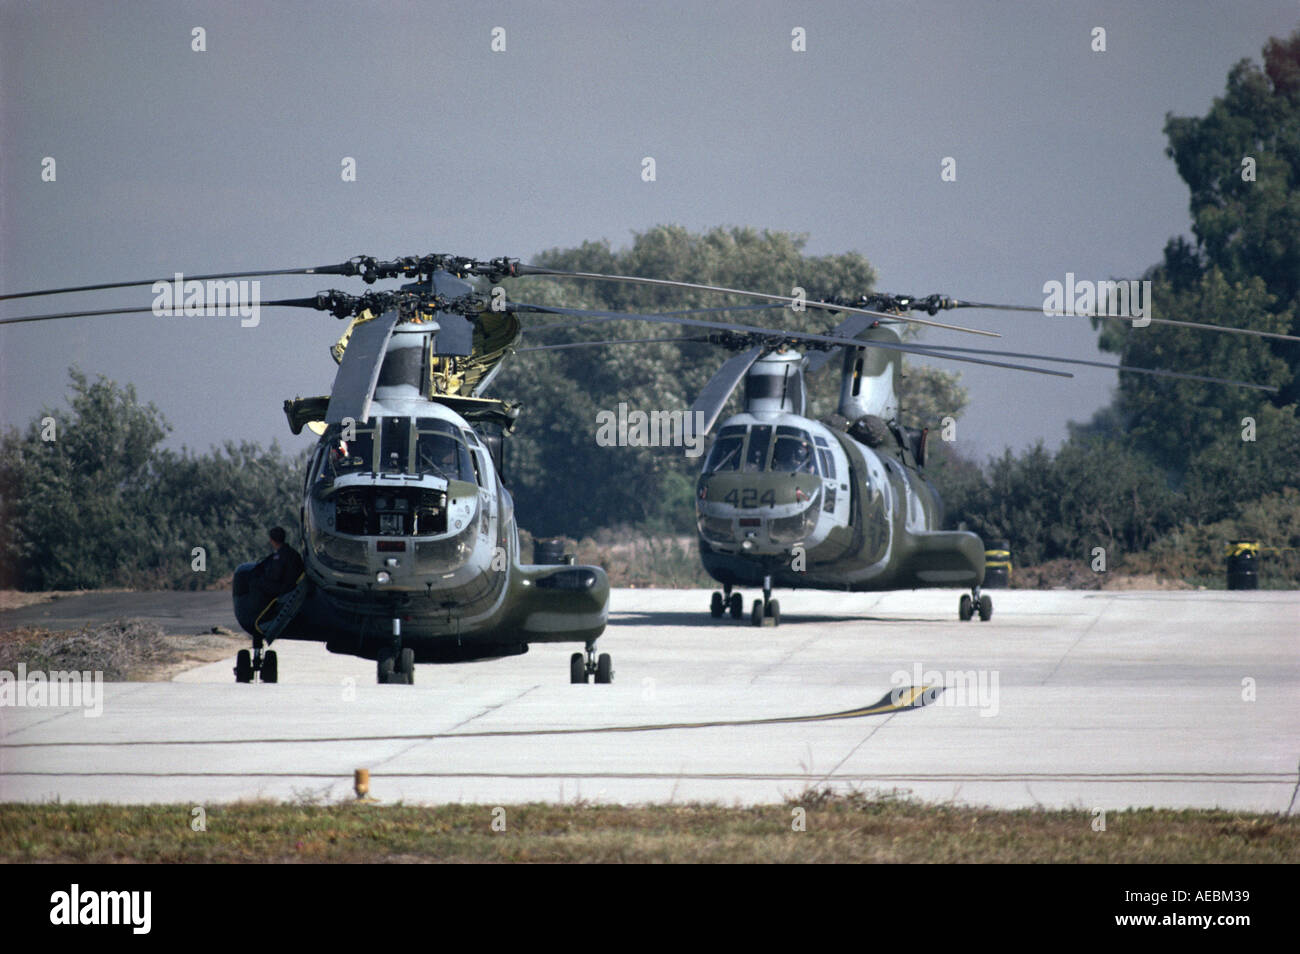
(279, 572)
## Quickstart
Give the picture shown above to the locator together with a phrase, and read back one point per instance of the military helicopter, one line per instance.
(842, 503)
(409, 534)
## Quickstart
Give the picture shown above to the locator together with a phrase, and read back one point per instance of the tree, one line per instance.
(1172, 420)
(1247, 221)
(1091, 493)
(74, 504)
(1241, 163)
(103, 504)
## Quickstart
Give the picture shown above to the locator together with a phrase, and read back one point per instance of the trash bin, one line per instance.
(547, 552)
(1243, 565)
(997, 566)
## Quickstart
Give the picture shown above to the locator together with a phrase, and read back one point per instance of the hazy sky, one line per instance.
(174, 160)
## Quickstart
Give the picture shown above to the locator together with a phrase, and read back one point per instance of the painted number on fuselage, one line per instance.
(749, 498)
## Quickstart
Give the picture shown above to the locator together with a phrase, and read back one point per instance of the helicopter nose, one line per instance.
(755, 519)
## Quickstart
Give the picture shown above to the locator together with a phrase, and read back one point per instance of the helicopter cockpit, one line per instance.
(433, 447)
(762, 448)
(394, 477)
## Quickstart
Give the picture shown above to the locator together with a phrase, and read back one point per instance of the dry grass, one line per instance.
(852, 828)
(634, 558)
(121, 649)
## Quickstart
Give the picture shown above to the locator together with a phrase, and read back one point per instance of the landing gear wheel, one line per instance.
(406, 665)
(756, 613)
(604, 669)
(270, 667)
(243, 666)
(737, 606)
(577, 668)
(773, 611)
(717, 607)
(965, 607)
(386, 669)
(986, 608)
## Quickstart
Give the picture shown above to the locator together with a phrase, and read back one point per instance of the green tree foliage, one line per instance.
(927, 395)
(72, 505)
(1175, 420)
(1247, 228)
(1049, 506)
(103, 504)
(1226, 475)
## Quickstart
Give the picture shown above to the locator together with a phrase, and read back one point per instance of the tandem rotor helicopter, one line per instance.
(409, 536)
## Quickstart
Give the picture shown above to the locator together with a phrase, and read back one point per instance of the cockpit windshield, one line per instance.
(725, 454)
(760, 436)
(753, 450)
(440, 451)
(793, 453)
(395, 447)
(349, 457)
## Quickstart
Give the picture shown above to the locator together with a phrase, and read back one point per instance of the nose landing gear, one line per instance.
(582, 667)
(396, 665)
(972, 603)
(764, 612)
(767, 611)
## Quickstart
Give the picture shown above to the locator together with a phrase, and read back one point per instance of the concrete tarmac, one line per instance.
(1065, 699)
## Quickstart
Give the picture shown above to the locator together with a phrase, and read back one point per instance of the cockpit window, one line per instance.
(725, 454)
(349, 457)
(828, 462)
(760, 436)
(441, 454)
(793, 452)
(395, 444)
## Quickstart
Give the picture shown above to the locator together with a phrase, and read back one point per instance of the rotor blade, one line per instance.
(318, 270)
(688, 311)
(790, 335)
(76, 314)
(354, 384)
(1227, 329)
(1177, 322)
(936, 303)
(1113, 367)
(591, 344)
(666, 283)
(713, 398)
(277, 303)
